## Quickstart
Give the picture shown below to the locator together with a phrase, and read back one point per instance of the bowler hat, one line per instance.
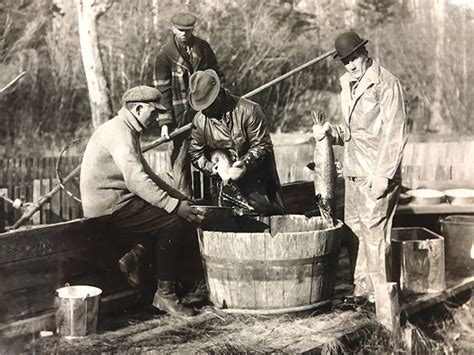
(204, 87)
(347, 43)
(183, 21)
(145, 94)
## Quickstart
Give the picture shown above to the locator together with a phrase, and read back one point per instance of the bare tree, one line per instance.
(88, 13)
(437, 123)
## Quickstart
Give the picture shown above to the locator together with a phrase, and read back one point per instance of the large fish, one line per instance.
(325, 174)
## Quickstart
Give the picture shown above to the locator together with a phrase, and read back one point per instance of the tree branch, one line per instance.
(102, 7)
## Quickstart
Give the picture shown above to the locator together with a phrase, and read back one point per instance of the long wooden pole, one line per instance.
(13, 81)
(187, 127)
(146, 147)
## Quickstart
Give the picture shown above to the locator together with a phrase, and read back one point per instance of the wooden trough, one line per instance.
(34, 262)
(272, 265)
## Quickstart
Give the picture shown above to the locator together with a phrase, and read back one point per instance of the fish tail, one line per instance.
(326, 214)
(319, 117)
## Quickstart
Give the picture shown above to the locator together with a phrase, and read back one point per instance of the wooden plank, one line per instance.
(2, 214)
(410, 174)
(58, 267)
(442, 208)
(55, 210)
(36, 241)
(16, 194)
(43, 240)
(463, 172)
(421, 302)
(64, 205)
(444, 184)
(36, 218)
(46, 208)
(2, 172)
(10, 186)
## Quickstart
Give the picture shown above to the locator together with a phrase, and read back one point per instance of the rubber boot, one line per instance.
(130, 265)
(166, 300)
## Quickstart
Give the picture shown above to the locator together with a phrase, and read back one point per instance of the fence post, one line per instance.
(2, 215)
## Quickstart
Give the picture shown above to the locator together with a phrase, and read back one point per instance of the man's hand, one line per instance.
(189, 213)
(165, 133)
(320, 131)
(379, 186)
(215, 169)
(237, 170)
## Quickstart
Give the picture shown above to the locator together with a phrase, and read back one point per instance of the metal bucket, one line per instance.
(77, 308)
(458, 233)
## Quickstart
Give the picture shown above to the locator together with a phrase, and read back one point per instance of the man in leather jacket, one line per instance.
(236, 126)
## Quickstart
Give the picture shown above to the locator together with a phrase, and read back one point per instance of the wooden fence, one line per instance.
(31, 178)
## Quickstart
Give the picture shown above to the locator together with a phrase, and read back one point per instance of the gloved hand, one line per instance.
(164, 132)
(379, 186)
(320, 131)
(189, 213)
(237, 170)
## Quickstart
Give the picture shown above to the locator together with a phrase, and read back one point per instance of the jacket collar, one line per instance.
(130, 120)
(172, 51)
(229, 104)
(230, 101)
(371, 77)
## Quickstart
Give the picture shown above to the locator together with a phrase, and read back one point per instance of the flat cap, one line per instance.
(145, 94)
(183, 21)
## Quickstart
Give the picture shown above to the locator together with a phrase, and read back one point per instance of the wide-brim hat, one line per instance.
(145, 94)
(347, 43)
(204, 87)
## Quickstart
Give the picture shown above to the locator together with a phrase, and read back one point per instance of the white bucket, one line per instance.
(77, 309)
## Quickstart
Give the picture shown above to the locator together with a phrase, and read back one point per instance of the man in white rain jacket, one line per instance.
(374, 136)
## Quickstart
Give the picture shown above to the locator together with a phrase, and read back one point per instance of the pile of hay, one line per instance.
(216, 331)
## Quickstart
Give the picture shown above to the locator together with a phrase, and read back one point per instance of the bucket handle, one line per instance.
(56, 293)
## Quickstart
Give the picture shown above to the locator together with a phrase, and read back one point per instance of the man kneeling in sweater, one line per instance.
(118, 185)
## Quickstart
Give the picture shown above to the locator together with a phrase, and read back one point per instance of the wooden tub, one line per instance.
(271, 265)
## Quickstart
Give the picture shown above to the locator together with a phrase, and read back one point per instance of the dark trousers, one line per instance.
(179, 156)
(181, 165)
(172, 233)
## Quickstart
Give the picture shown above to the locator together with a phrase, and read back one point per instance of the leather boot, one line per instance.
(198, 295)
(166, 300)
(130, 265)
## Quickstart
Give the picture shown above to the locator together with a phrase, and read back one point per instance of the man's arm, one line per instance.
(125, 152)
(163, 84)
(160, 182)
(394, 135)
(259, 139)
(197, 151)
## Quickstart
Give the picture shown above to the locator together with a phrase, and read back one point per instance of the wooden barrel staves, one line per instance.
(271, 265)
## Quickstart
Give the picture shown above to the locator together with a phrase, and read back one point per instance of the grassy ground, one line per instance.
(445, 328)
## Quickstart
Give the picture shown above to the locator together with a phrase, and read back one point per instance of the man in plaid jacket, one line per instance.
(177, 60)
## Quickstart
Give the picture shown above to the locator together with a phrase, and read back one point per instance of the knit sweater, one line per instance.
(113, 170)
